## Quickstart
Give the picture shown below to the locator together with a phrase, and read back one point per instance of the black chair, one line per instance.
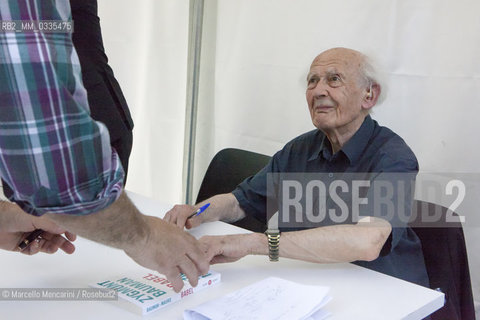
(227, 169)
(445, 254)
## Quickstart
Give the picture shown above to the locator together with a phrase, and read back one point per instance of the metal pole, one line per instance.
(193, 73)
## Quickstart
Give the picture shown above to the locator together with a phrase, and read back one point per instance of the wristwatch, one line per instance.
(273, 236)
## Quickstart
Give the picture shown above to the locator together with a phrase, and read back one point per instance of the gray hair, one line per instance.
(371, 72)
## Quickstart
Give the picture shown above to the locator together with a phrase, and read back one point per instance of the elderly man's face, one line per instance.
(336, 92)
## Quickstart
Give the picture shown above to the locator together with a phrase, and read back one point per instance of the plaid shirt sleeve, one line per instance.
(52, 154)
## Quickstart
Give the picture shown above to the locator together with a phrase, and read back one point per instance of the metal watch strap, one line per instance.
(273, 244)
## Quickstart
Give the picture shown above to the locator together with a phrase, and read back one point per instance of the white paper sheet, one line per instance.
(271, 298)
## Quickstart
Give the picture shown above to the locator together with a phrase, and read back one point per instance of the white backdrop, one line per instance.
(146, 42)
(255, 58)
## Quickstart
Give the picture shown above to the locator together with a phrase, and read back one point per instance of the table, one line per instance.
(358, 293)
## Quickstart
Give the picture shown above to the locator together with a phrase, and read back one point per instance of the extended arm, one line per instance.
(148, 240)
(222, 207)
(59, 162)
(340, 243)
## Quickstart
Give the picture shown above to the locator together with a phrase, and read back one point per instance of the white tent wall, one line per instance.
(147, 44)
(255, 59)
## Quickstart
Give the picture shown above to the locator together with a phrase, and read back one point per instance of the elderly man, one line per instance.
(341, 90)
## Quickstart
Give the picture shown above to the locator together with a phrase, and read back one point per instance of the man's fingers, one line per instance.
(181, 221)
(174, 218)
(58, 242)
(199, 259)
(71, 236)
(190, 270)
(193, 222)
(68, 247)
(189, 224)
(178, 215)
(33, 248)
(168, 217)
(50, 243)
(175, 278)
(210, 253)
(211, 248)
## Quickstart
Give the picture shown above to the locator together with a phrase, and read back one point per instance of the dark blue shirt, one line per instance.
(372, 149)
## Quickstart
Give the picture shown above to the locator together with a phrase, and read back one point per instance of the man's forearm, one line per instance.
(341, 243)
(148, 240)
(120, 225)
(224, 207)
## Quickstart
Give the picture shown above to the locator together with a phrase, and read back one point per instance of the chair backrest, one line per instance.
(227, 169)
(446, 262)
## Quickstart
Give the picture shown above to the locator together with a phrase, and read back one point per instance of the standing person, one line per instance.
(107, 105)
(59, 162)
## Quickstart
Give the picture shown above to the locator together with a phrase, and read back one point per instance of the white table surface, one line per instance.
(358, 293)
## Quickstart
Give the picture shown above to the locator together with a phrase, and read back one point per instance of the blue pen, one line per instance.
(200, 210)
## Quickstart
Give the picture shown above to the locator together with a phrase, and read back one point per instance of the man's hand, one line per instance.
(171, 251)
(179, 214)
(230, 248)
(150, 241)
(16, 224)
(223, 207)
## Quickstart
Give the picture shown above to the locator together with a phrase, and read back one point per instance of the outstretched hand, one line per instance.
(179, 214)
(15, 225)
(170, 251)
(230, 248)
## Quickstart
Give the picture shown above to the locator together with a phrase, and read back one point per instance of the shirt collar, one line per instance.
(354, 147)
(319, 146)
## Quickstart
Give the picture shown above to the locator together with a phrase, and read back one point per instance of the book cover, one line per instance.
(146, 292)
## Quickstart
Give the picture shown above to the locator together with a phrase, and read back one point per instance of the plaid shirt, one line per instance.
(52, 154)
